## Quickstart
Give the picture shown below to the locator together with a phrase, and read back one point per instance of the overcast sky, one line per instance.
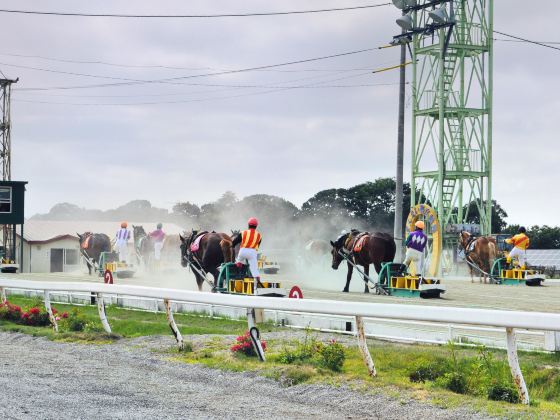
(192, 142)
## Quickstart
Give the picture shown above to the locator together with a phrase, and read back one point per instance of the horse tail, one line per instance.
(227, 249)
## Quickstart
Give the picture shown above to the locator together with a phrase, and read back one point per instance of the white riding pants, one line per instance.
(157, 250)
(249, 256)
(417, 257)
(122, 248)
(520, 254)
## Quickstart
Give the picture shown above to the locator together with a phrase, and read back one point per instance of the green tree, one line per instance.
(498, 215)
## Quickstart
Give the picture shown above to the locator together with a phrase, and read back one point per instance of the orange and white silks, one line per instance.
(250, 238)
(520, 241)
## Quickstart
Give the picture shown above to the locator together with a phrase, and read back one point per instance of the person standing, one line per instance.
(415, 245)
(121, 242)
(158, 236)
(250, 241)
(520, 244)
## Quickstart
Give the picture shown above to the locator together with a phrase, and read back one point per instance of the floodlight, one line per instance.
(410, 3)
(399, 4)
(439, 15)
(405, 22)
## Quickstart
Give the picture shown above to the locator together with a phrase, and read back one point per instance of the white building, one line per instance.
(53, 246)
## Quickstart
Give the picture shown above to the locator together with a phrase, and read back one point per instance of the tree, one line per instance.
(186, 209)
(498, 215)
(541, 237)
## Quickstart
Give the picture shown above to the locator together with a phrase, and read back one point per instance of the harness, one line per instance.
(192, 260)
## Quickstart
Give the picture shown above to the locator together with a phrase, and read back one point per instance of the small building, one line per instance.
(53, 246)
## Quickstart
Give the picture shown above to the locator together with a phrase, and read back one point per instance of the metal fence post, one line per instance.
(514, 366)
(172, 324)
(363, 346)
(552, 341)
(3, 295)
(102, 315)
(49, 311)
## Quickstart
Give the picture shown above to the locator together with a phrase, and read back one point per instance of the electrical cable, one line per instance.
(221, 15)
(542, 44)
(171, 80)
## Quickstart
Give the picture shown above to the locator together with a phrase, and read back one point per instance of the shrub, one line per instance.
(36, 317)
(427, 371)
(331, 356)
(455, 382)
(75, 322)
(503, 392)
(10, 312)
(244, 345)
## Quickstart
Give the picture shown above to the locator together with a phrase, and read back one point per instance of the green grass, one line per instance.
(129, 323)
(394, 362)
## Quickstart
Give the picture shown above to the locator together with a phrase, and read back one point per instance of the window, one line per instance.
(5, 199)
(71, 257)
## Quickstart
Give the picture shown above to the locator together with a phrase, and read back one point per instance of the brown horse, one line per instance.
(91, 247)
(480, 251)
(363, 249)
(214, 249)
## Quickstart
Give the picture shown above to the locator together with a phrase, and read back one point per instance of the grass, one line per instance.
(394, 362)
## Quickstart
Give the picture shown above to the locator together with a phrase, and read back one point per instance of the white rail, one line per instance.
(509, 320)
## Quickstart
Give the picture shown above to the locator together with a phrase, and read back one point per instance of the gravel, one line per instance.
(41, 379)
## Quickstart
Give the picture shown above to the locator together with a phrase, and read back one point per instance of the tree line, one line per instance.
(367, 206)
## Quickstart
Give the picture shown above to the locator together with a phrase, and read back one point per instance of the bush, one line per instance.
(503, 392)
(455, 382)
(36, 317)
(427, 371)
(75, 322)
(10, 312)
(331, 356)
(244, 345)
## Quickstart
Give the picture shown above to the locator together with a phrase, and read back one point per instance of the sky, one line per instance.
(289, 131)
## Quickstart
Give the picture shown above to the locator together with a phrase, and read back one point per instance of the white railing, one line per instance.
(359, 310)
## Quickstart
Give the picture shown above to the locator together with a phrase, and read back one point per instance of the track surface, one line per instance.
(48, 380)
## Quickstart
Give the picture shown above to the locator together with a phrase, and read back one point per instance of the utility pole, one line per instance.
(398, 227)
(8, 231)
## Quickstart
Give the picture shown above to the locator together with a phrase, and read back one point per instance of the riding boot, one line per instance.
(259, 284)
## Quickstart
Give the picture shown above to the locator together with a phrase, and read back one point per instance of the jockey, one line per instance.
(158, 236)
(250, 241)
(415, 245)
(121, 242)
(520, 244)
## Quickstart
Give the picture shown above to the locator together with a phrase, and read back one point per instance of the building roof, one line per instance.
(42, 231)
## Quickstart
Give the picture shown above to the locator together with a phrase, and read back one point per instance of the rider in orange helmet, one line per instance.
(250, 240)
(415, 245)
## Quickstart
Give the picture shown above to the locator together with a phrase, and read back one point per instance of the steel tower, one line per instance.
(452, 113)
(8, 231)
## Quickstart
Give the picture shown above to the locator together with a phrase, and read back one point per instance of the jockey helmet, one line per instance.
(419, 224)
(522, 230)
(124, 225)
(253, 222)
(159, 225)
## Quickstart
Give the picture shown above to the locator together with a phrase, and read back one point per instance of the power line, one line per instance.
(171, 80)
(154, 66)
(517, 40)
(221, 15)
(542, 44)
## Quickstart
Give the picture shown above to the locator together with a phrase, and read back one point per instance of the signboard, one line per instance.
(472, 228)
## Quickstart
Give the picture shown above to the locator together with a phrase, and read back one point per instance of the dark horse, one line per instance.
(92, 245)
(214, 249)
(363, 249)
(143, 245)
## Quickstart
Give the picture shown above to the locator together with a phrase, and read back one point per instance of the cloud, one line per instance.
(291, 143)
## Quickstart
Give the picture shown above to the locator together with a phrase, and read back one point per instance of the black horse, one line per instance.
(143, 246)
(91, 247)
(213, 250)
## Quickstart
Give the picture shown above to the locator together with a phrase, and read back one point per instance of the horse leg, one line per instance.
(199, 281)
(89, 268)
(348, 278)
(366, 273)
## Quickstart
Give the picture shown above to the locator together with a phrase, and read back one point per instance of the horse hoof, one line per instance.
(366, 291)
(345, 291)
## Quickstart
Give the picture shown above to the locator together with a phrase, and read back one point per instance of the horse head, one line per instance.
(337, 248)
(464, 238)
(138, 231)
(186, 240)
